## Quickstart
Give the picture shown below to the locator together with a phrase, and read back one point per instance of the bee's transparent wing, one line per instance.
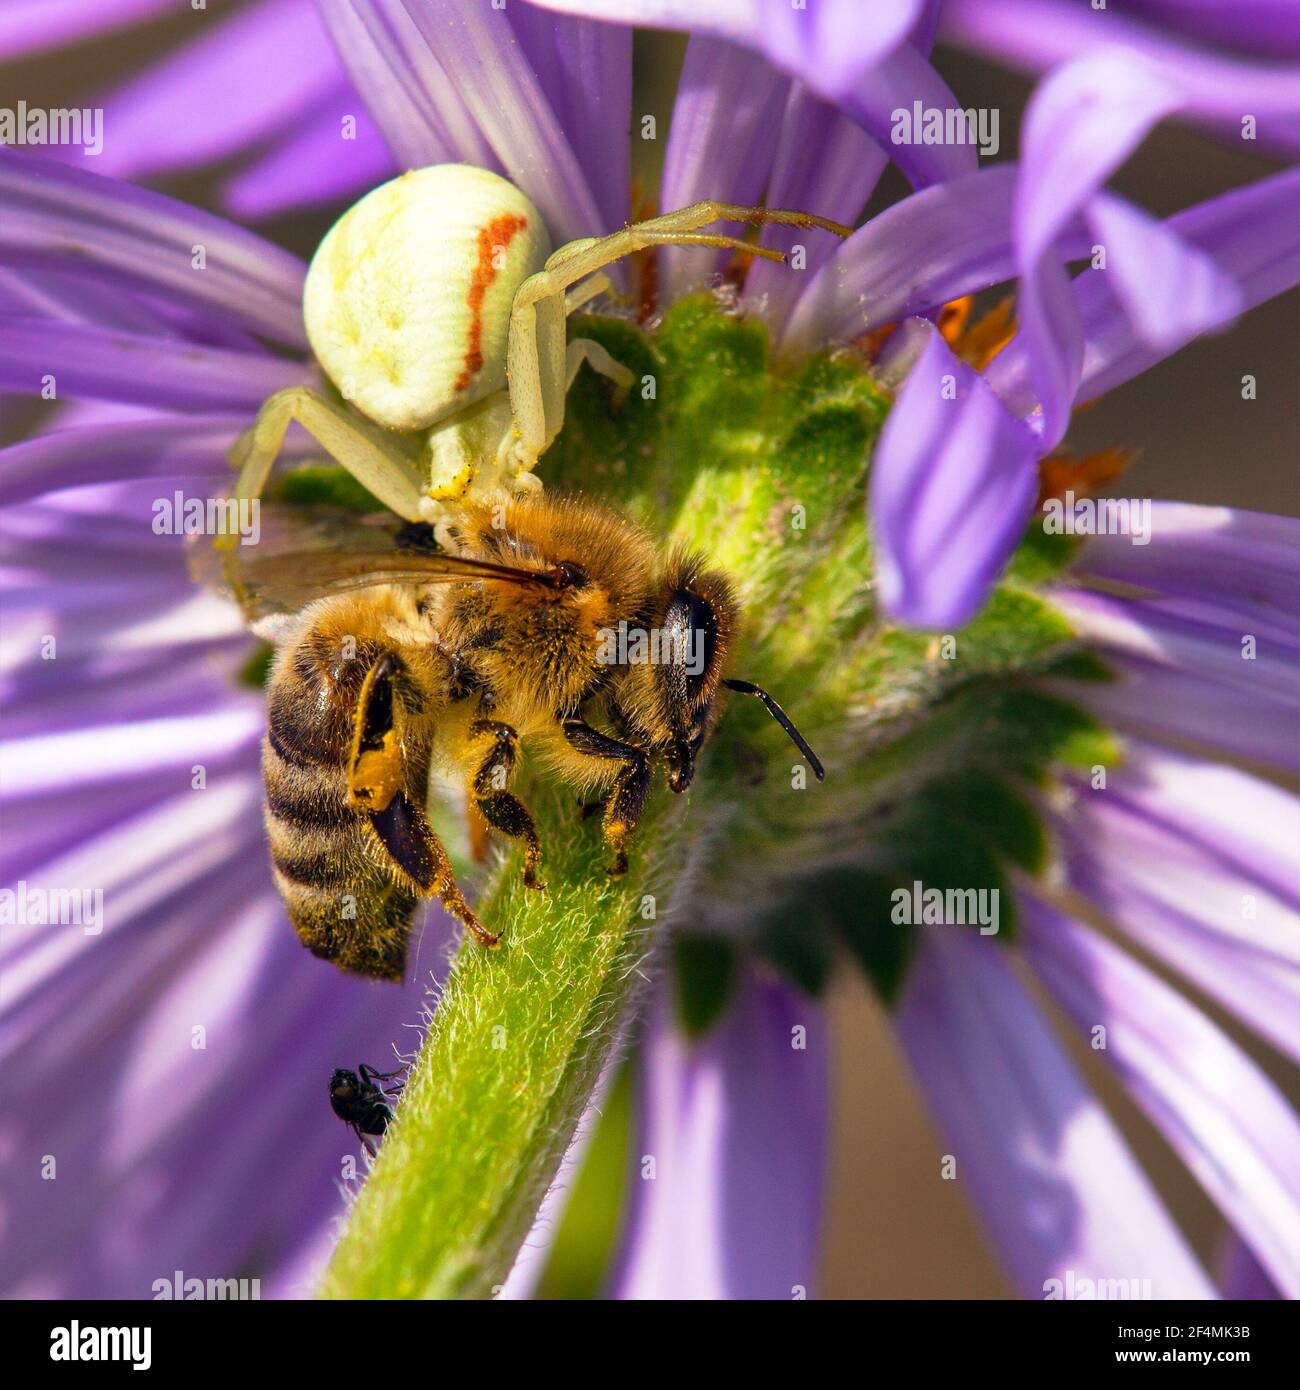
(306, 553)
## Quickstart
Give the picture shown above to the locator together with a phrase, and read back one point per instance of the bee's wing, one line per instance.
(306, 553)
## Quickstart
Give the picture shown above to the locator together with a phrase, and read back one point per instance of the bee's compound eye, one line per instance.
(407, 300)
(569, 576)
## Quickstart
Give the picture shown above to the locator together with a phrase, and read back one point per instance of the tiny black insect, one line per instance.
(357, 1101)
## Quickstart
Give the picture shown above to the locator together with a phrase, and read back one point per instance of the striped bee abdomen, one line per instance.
(349, 899)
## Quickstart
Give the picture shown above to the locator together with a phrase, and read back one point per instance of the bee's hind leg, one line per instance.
(498, 807)
(409, 839)
(378, 786)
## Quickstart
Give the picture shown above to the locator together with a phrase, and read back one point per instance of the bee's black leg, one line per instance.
(624, 803)
(498, 807)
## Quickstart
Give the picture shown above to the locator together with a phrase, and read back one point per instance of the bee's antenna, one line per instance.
(783, 719)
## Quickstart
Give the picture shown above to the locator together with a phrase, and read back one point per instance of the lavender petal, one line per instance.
(1219, 1112)
(1253, 236)
(164, 447)
(86, 361)
(28, 26)
(736, 1126)
(66, 219)
(158, 122)
(1057, 1186)
(1194, 551)
(1163, 702)
(476, 48)
(585, 69)
(720, 144)
(335, 154)
(836, 184)
(404, 87)
(951, 484)
(917, 255)
(1216, 89)
(1209, 641)
(827, 46)
(1219, 927)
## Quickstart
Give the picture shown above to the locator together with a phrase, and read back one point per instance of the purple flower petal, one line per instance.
(404, 87)
(1219, 926)
(917, 255)
(898, 83)
(66, 219)
(39, 294)
(27, 26)
(112, 690)
(161, 447)
(1166, 702)
(1057, 1186)
(335, 153)
(489, 72)
(75, 298)
(1251, 825)
(951, 484)
(192, 935)
(1170, 290)
(1216, 89)
(162, 120)
(146, 623)
(721, 141)
(1267, 27)
(87, 361)
(1080, 125)
(1219, 1112)
(868, 70)
(54, 825)
(160, 1109)
(1240, 1273)
(1253, 236)
(1211, 641)
(836, 184)
(66, 760)
(736, 1127)
(1195, 550)
(585, 70)
(827, 45)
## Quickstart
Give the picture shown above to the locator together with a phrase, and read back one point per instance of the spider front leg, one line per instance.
(366, 451)
(539, 366)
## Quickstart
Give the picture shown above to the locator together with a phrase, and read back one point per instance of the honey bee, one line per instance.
(400, 657)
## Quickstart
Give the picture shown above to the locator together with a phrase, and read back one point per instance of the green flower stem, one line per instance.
(517, 1044)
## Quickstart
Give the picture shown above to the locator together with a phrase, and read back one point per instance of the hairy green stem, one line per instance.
(515, 1049)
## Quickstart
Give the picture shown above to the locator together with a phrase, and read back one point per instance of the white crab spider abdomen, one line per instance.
(407, 300)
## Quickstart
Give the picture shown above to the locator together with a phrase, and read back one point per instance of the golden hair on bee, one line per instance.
(546, 621)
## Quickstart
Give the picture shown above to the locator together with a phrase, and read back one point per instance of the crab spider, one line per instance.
(436, 311)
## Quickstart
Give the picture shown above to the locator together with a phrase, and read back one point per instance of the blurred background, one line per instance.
(894, 1230)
